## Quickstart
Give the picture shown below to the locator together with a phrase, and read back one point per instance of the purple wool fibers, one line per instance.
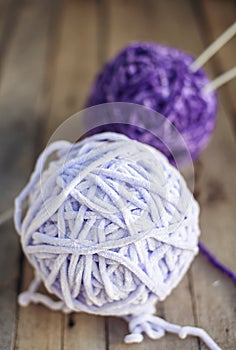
(161, 79)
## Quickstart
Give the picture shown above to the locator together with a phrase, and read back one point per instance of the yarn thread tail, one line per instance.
(211, 257)
(155, 328)
(110, 229)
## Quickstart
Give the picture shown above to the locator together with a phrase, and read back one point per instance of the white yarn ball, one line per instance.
(111, 226)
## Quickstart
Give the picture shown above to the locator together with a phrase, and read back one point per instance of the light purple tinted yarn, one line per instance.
(160, 78)
(110, 229)
(228, 272)
(123, 218)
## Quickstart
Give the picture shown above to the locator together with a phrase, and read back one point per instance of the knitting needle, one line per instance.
(221, 80)
(214, 47)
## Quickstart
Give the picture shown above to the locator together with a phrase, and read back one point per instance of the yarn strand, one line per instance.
(214, 47)
(211, 257)
(31, 296)
(231, 274)
(7, 215)
(155, 327)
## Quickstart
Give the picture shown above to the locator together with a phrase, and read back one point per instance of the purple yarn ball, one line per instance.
(159, 78)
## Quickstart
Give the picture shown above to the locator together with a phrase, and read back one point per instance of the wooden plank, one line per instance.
(215, 293)
(75, 63)
(204, 297)
(217, 16)
(124, 14)
(8, 10)
(163, 22)
(9, 275)
(82, 331)
(3, 10)
(22, 73)
(149, 22)
(9, 242)
(217, 196)
(38, 327)
(146, 24)
(19, 86)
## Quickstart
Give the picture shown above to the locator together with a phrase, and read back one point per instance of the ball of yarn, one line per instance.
(111, 226)
(160, 78)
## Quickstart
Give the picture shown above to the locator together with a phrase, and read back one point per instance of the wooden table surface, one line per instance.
(49, 54)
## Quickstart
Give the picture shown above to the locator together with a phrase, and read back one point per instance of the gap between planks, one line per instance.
(63, 89)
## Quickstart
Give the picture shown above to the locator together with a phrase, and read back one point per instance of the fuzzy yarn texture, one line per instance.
(110, 229)
(159, 78)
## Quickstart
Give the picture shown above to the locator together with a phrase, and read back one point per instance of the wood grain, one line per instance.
(170, 29)
(22, 66)
(151, 23)
(20, 85)
(214, 293)
(48, 61)
(74, 65)
(76, 62)
(9, 276)
(217, 16)
(75, 71)
(8, 17)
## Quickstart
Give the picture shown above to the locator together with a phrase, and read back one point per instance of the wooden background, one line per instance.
(49, 54)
